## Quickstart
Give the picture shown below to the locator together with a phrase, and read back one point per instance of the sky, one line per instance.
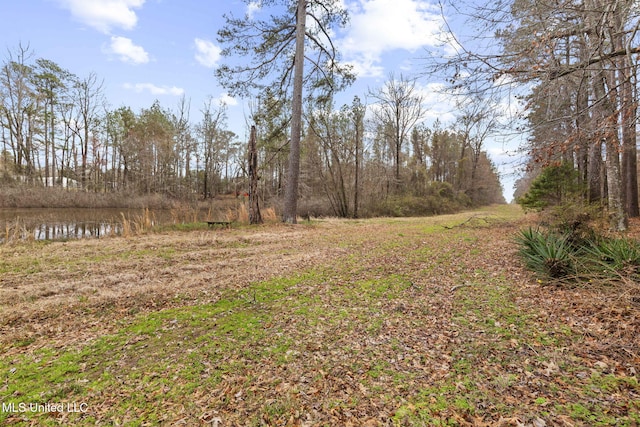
(147, 50)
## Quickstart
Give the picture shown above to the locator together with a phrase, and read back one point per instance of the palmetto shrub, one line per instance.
(548, 254)
(614, 257)
(560, 257)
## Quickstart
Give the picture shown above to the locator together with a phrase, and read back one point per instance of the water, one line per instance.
(62, 224)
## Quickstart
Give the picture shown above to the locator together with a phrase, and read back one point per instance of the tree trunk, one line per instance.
(254, 208)
(52, 127)
(629, 151)
(618, 219)
(615, 194)
(293, 174)
(594, 172)
(357, 171)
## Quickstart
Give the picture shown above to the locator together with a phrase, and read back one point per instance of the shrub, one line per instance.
(596, 260)
(615, 258)
(556, 185)
(549, 254)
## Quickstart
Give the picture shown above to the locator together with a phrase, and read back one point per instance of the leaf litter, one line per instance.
(422, 321)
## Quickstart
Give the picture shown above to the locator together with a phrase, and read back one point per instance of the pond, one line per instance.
(73, 223)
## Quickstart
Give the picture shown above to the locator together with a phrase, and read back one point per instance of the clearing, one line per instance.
(418, 322)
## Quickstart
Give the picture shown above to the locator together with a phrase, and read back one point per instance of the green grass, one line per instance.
(377, 331)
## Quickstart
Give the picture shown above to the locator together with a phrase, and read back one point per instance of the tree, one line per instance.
(88, 100)
(399, 108)
(557, 184)
(336, 138)
(153, 136)
(254, 205)
(211, 136)
(120, 133)
(444, 152)
(478, 119)
(51, 81)
(271, 120)
(576, 60)
(356, 113)
(184, 140)
(19, 107)
(278, 48)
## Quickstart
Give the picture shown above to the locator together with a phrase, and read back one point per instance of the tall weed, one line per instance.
(269, 215)
(16, 231)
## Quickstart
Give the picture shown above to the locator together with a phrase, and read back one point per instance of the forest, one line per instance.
(357, 160)
(58, 131)
(570, 68)
(579, 63)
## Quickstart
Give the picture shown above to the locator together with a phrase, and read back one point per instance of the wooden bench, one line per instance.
(224, 224)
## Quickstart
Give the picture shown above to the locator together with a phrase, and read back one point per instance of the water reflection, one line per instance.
(76, 230)
(61, 224)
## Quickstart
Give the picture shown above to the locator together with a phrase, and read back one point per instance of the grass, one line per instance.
(403, 322)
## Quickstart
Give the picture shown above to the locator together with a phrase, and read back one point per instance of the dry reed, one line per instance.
(238, 214)
(185, 213)
(126, 226)
(269, 215)
(16, 231)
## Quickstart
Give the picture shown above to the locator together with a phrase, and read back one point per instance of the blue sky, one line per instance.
(145, 50)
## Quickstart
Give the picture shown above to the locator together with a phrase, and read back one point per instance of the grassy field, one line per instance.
(384, 322)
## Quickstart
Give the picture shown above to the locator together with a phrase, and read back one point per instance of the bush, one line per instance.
(549, 254)
(438, 198)
(560, 256)
(615, 258)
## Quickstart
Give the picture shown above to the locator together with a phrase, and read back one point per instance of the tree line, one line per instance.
(573, 66)
(58, 130)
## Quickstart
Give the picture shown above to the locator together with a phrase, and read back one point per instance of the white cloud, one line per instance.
(253, 8)
(226, 99)
(127, 51)
(438, 105)
(207, 53)
(381, 26)
(104, 14)
(153, 89)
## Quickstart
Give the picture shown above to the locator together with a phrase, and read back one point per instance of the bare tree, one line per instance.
(574, 61)
(18, 108)
(336, 137)
(399, 108)
(184, 142)
(477, 121)
(211, 133)
(88, 100)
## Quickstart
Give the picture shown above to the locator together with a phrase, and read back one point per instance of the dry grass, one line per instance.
(16, 231)
(185, 213)
(40, 197)
(238, 214)
(269, 215)
(64, 280)
(419, 321)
